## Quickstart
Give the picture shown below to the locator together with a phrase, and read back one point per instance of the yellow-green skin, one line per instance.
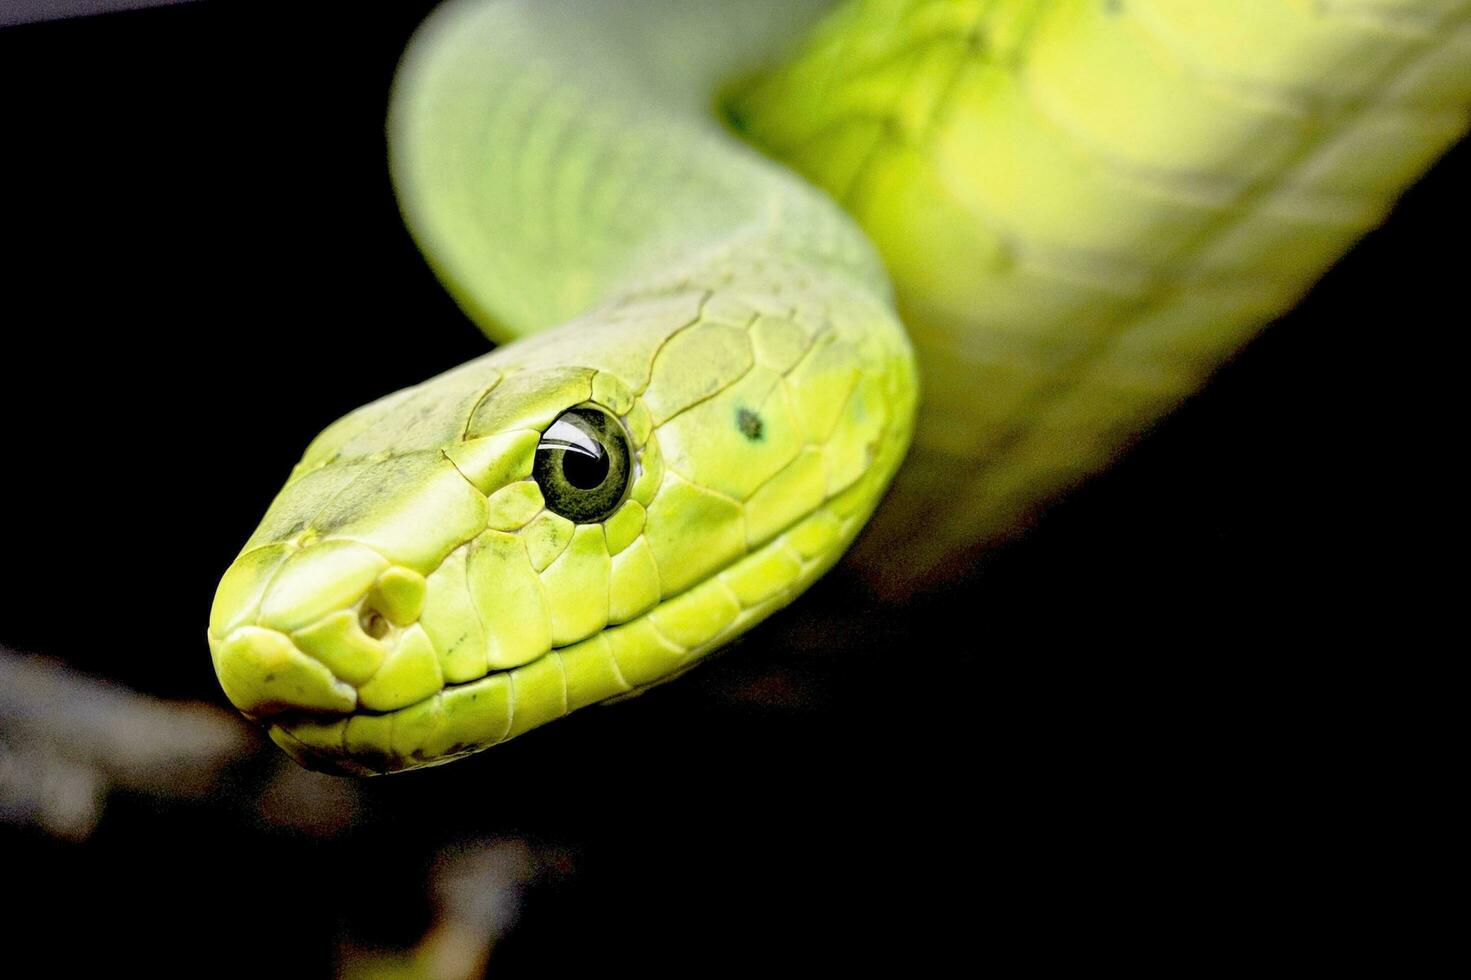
(1087, 205)
(1084, 206)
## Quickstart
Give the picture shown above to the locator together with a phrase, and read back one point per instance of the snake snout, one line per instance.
(329, 628)
(264, 674)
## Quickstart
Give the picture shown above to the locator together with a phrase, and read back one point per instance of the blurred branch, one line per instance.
(68, 740)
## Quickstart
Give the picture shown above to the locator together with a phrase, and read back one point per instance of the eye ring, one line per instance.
(584, 464)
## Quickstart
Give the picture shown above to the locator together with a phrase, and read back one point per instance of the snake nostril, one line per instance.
(373, 623)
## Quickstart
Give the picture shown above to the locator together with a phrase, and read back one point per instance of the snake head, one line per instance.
(566, 520)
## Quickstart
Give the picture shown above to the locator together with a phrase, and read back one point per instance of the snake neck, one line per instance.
(554, 157)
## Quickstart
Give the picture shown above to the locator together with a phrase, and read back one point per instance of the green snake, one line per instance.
(738, 257)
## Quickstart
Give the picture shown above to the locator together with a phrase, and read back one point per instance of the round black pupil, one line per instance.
(584, 470)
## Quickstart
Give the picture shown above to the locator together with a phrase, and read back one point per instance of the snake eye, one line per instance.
(583, 465)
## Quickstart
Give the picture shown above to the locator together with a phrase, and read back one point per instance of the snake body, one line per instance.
(1060, 216)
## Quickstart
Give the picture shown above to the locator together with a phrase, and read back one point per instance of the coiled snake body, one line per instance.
(725, 246)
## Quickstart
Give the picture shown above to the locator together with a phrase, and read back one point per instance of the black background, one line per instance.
(1156, 723)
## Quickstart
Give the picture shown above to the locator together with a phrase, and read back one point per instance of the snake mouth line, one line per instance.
(298, 731)
(304, 714)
